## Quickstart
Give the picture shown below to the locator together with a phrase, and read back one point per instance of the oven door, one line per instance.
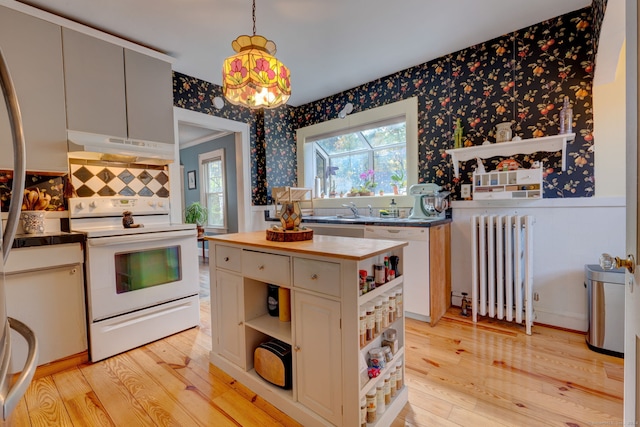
(131, 272)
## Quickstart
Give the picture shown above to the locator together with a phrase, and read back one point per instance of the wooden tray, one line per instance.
(289, 236)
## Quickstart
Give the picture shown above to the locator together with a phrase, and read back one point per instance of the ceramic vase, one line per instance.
(32, 222)
(503, 132)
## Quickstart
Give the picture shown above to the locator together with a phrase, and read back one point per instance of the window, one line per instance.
(342, 152)
(363, 160)
(212, 193)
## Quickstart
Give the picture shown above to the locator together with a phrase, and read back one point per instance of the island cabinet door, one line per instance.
(318, 353)
(230, 317)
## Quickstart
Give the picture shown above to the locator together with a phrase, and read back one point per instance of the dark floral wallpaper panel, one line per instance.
(521, 77)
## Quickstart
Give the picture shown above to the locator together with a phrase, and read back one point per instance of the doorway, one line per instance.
(201, 128)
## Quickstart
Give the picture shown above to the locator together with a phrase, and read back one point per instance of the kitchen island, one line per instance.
(322, 337)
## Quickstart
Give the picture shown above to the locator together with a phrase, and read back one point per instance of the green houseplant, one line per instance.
(196, 214)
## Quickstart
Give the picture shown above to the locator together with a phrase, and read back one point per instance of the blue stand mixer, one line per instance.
(429, 202)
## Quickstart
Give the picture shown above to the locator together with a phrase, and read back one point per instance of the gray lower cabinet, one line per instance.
(116, 91)
(33, 51)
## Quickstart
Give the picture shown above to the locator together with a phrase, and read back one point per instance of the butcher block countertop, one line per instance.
(350, 248)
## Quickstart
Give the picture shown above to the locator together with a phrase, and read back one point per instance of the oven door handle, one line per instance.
(150, 237)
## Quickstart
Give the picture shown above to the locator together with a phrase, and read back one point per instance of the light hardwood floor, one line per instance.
(458, 374)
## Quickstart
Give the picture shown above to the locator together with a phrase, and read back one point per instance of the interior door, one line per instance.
(632, 291)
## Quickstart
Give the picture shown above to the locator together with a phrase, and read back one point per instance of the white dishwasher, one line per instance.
(415, 264)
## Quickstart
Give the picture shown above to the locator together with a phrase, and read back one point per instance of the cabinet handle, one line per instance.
(261, 267)
(314, 276)
(296, 348)
(240, 323)
(74, 270)
(226, 259)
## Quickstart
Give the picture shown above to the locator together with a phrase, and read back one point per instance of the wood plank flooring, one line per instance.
(458, 374)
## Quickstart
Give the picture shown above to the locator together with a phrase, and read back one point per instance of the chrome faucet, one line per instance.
(354, 209)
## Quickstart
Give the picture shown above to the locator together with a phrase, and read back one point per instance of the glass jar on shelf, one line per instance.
(387, 389)
(372, 406)
(392, 307)
(371, 319)
(378, 317)
(399, 376)
(385, 312)
(393, 384)
(380, 405)
(399, 303)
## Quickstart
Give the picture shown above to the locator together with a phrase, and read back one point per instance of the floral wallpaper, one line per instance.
(521, 77)
(51, 185)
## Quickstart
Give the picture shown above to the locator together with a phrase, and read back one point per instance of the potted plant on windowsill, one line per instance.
(397, 181)
(196, 214)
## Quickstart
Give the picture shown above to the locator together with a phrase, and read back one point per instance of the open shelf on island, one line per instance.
(272, 326)
(550, 144)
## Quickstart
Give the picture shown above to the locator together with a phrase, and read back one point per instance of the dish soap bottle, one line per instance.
(393, 209)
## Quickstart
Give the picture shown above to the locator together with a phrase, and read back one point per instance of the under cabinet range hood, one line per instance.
(91, 146)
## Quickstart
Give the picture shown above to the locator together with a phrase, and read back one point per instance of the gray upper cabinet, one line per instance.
(33, 51)
(149, 97)
(94, 84)
(116, 91)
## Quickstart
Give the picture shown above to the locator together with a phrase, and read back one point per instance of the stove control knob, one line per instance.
(160, 204)
(151, 203)
(80, 205)
(93, 205)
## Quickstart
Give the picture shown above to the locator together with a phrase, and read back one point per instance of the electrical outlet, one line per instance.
(536, 297)
(465, 191)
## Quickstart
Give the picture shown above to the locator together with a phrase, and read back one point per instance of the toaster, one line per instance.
(272, 361)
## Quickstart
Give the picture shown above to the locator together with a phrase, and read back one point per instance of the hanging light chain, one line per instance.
(254, 17)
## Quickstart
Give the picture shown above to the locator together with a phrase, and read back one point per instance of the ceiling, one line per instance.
(329, 45)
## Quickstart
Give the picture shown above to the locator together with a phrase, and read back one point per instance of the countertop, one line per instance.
(371, 220)
(45, 239)
(350, 248)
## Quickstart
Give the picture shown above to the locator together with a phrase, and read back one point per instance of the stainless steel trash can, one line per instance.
(605, 299)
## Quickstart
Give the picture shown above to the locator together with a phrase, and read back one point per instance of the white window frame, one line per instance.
(202, 159)
(407, 108)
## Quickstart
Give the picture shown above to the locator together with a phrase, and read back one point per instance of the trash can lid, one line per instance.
(596, 273)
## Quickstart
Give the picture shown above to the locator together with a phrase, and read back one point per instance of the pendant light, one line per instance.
(254, 77)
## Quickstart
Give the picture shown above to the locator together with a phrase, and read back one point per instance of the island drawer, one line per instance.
(268, 268)
(228, 258)
(319, 276)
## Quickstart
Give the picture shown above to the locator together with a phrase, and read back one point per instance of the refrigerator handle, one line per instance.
(19, 160)
(18, 389)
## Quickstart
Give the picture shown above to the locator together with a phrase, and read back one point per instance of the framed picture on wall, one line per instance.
(191, 180)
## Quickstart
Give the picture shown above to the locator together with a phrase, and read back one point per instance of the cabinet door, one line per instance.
(149, 97)
(33, 51)
(318, 349)
(94, 85)
(51, 302)
(230, 314)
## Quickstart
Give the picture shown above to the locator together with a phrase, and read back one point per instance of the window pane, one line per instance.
(381, 149)
(214, 192)
(343, 144)
(215, 204)
(347, 176)
(386, 135)
(390, 162)
(321, 170)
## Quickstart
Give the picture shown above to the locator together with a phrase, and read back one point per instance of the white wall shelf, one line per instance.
(553, 143)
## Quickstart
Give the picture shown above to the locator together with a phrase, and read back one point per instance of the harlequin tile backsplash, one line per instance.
(90, 179)
(521, 77)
